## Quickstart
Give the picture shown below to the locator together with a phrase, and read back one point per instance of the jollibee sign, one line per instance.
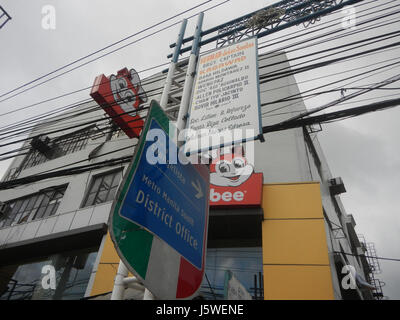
(233, 181)
(120, 96)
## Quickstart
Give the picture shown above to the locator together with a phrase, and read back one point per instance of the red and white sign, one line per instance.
(120, 96)
(233, 181)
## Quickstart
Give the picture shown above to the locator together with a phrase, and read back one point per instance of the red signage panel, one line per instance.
(120, 96)
(247, 194)
(233, 181)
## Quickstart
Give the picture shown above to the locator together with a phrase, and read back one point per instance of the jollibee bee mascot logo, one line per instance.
(127, 90)
(121, 96)
(230, 169)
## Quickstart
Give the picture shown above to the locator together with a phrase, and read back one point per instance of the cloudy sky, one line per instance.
(364, 151)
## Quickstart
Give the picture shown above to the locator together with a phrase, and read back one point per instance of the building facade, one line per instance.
(295, 242)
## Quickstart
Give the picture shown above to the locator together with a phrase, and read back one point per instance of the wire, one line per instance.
(333, 116)
(332, 74)
(104, 48)
(279, 75)
(337, 48)
(76, 91)
(329, 33)
(110, 52)
(65, 172)
(149, 93)
(78, 125)
(156, 91)
(79, 90)
(319, 87)
(394, 65)
(49, 99)
(266, 129)
(388, 35)
(293, 35)
(362, 256)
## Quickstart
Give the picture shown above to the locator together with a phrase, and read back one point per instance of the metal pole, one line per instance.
(172, 66)
(190, 73)
(164, 100)
(121, 279)
(119, 287)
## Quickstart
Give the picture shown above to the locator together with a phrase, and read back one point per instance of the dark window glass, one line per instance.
(64, 145)
(39, 205)
(244, 263)
(103, 188)
(72, 274)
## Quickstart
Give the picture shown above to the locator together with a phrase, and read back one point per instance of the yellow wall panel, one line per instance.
(286, 201)
(294, 242)
(295, 252)
(297, 283)
(104, 281)
(107, 269)
(109, 253)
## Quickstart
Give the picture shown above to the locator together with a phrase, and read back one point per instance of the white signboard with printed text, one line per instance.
(225, 104)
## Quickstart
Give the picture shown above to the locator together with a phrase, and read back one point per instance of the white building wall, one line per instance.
(283, 158)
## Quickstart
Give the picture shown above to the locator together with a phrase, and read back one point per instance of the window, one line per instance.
(74, 142)
(23, 281)
(33, 158)
(244, 262)
(39, 205)
(103, 188)
(61, 146)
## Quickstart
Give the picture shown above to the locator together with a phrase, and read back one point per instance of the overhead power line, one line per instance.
(285, 125)
(86, 123)
(366, 256)
(17, 109)
(104, 48)
(332, 32)
(279, 75)
(79, 90)
(151, 80)
(317, 27)
(333, 116)
(316, 65)
(108, 53)
(65, 172)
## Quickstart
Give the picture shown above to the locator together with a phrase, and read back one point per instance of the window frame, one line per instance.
(66, 144)
(95, 178)
(19, 212)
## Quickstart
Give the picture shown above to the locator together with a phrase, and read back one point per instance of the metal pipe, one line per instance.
(119, 286)
(172, 67)
(190, 74)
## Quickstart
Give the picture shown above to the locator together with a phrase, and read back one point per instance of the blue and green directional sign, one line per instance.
(161, 213)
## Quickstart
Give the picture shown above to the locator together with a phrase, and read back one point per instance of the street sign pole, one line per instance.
(190, 74)
(121, 279)
(159, 219)
(172, 67)
(164, 100)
